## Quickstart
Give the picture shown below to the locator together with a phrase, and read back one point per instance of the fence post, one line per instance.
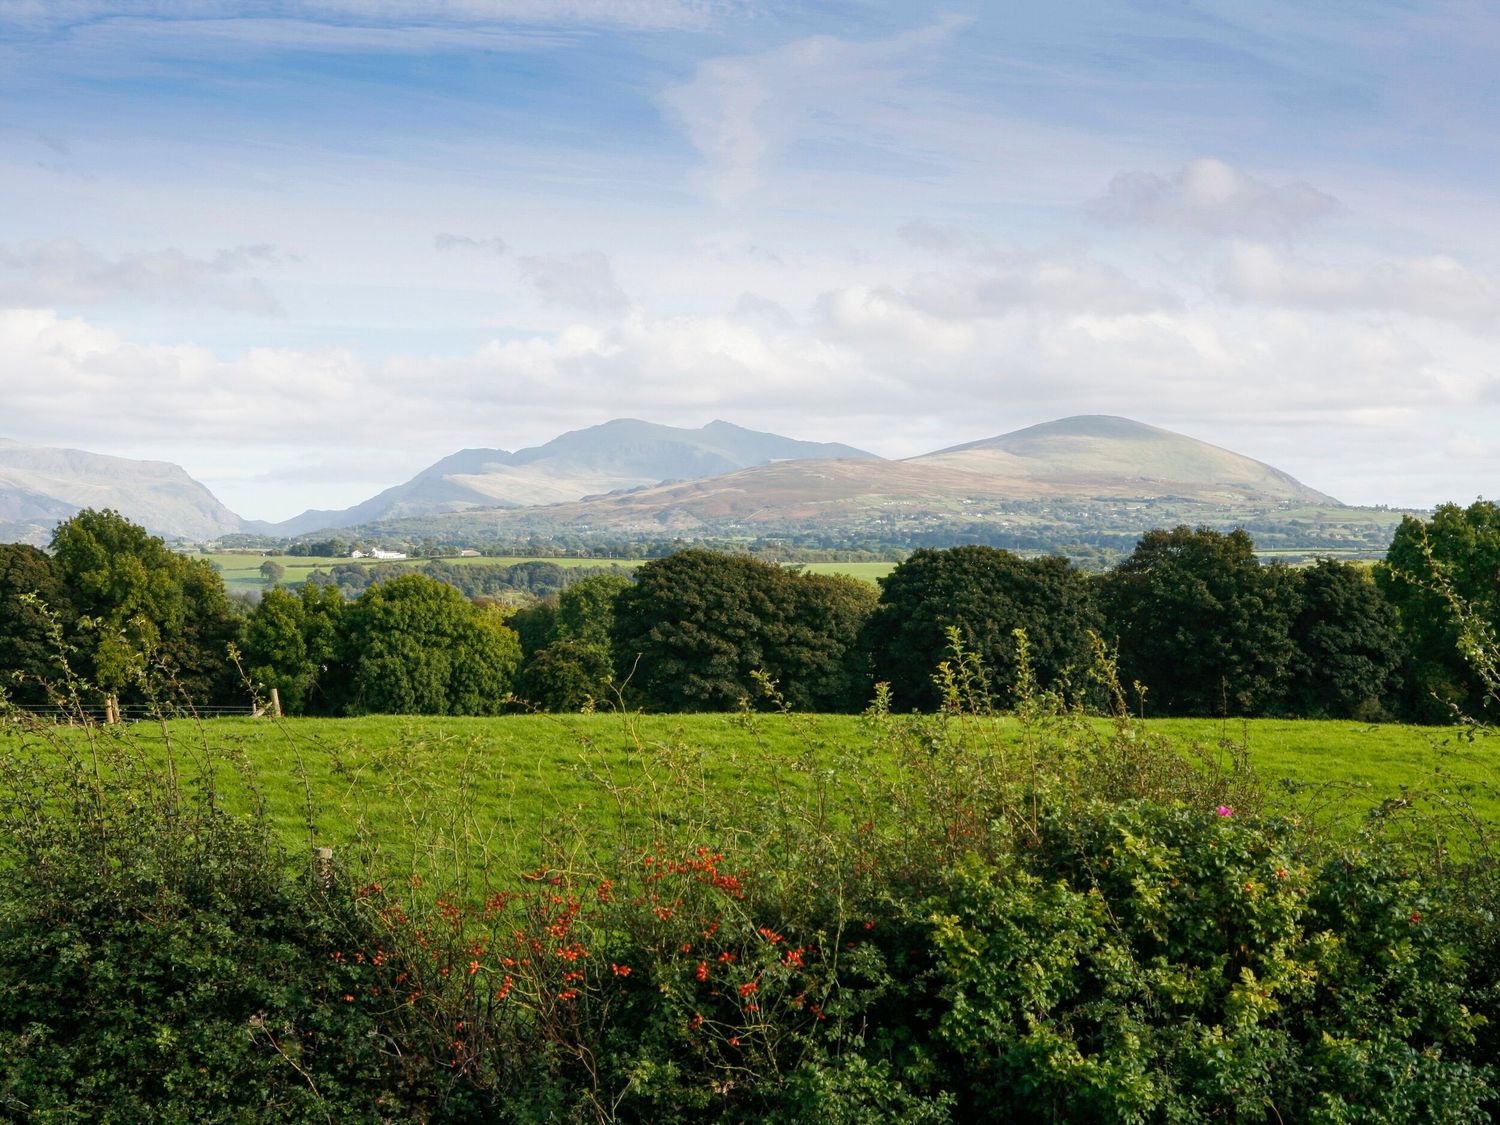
(275, 703)
(111, 709)
(323, 866)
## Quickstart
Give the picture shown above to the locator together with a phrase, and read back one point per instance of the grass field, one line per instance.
(516, 782)
(241, 569)
(865, 571)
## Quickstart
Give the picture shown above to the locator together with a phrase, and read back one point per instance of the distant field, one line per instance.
(865, 571)
(516, 780)
(241, 569)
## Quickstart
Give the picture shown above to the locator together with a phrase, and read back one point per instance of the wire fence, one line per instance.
(109, 711)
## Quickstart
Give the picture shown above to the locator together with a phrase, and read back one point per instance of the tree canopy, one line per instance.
(1443, 577)
(986, 594)
(1200, 623)
(414, 645)
(142, 606)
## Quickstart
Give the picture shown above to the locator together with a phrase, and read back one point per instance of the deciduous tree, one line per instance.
(986, 594)
(1201, 623)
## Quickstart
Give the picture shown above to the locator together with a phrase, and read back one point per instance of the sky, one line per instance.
(306, 248)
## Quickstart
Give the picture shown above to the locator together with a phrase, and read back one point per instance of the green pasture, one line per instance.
(865, 571)
(241, 569)
(510, 785)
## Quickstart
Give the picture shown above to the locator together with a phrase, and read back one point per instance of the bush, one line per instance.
(161, 962)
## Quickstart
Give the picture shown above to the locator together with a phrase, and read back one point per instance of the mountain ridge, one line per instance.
(628, 474)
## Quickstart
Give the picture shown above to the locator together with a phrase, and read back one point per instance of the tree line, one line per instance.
(1194, 624)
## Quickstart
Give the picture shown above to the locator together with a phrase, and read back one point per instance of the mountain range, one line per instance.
(633, 476)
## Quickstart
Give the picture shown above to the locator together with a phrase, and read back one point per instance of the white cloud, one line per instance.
(445, 241)
(583, 281)
(64, 271)
(1210, 197)
(740, 110)
(1435, 286)
(869, 368)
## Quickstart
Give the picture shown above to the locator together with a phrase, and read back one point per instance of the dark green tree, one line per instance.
(292, 644)
(1349, 648)
(535, 625)
(586, 609)
(1443, 577)
(986, 593)
(150, 620)
(414, 645)
(696, 626)
(272, 572)
(1200, 623)
(823, 663)
(33, 602)
(567, 675)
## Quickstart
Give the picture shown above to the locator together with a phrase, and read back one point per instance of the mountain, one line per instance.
(1091, 463)
(40, 485)
(1099, 452)
(622, 454)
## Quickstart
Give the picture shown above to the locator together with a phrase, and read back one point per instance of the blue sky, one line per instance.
(306, 248)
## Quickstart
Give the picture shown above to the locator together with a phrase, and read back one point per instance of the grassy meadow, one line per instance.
(517, 784)
(241, 569)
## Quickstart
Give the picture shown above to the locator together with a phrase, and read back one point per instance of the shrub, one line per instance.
(160, 962)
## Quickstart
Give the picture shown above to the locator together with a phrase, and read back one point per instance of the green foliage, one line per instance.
(35, 612)
(1441, 575)
(292, 641)
(1200, 623)
(1349, 647)
(1140, 963)
(160, 962)
(272, 572)
(696, 627)
(586, 609)
(141, 605)
(567, 675)
(986, 594)
(414, 645)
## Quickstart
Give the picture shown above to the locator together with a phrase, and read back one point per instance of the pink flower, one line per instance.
(1224, 810)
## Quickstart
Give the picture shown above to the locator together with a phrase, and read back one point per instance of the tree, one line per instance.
(292, 643)
(1201, 623)
(986, 593)
(417, 646)
(272, 572)
(586, 609)
(1349, 648)
(1443, 577)
(696, 626)
(33, 600)
(823, 664)
(149, 619)
(567, 675)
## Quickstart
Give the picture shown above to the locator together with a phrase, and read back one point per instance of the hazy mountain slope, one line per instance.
(622, 454)
(1091, 458)
(1098, 452)
(40, 485)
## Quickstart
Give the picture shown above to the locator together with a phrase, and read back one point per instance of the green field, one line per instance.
(241, 569)
(865, 571)
(518, 782)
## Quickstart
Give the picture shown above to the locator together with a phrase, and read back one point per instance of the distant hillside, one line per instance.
(622, 454)
(40, 485)
(1095, 453)
(1091, 462)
